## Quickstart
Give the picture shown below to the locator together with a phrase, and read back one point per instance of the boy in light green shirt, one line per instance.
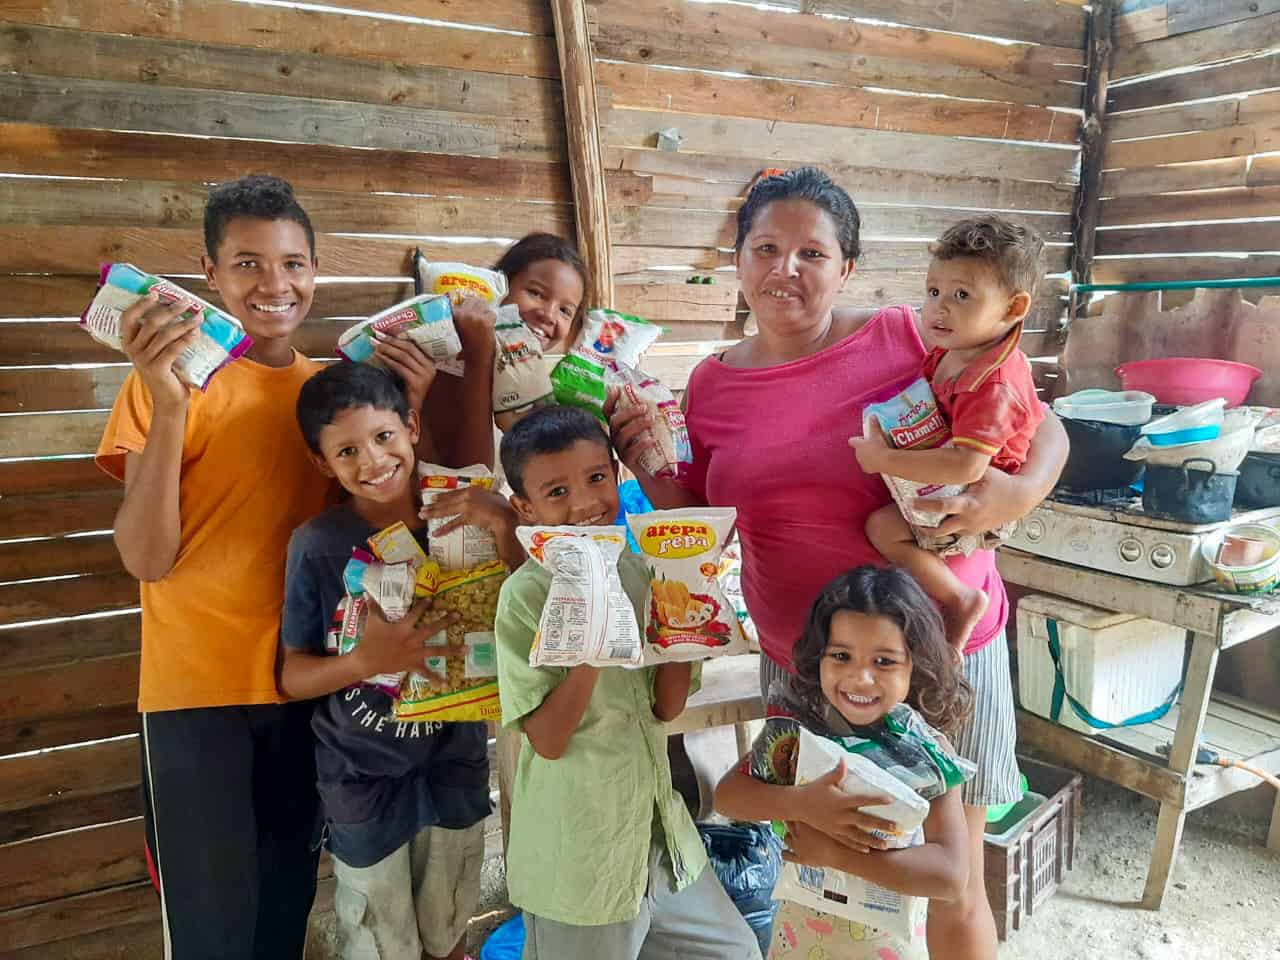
(603, 856)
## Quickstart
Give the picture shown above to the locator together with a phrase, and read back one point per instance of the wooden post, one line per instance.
(586, 161)
(1093, 141)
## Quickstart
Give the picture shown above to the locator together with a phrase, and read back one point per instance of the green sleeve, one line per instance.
(521, 688)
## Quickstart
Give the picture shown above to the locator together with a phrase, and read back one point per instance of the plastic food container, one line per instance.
(1125, 407)
(1210, 413)
(1257, 577)
(1186, 380)
(1226, 450)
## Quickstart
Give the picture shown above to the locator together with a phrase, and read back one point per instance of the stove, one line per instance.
(1107, 530)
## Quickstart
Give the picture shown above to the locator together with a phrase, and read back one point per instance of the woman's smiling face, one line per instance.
(791, 267)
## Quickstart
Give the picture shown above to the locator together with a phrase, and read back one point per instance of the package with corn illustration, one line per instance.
(689, 616)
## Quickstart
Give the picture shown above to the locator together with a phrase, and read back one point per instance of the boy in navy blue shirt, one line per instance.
(404, 802)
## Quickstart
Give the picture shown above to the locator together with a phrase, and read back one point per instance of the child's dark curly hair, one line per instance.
(938, 690)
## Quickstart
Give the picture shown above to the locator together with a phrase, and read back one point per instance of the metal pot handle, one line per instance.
(1186, 467)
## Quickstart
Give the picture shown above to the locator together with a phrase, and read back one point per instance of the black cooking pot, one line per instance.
(1259, 483)
(1096, 459)
(1189, 493)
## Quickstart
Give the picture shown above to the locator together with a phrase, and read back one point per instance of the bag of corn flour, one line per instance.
(426, 320)
(669, 453)
(689, 617)
(588, 617)
(220, 338)
(460, 278)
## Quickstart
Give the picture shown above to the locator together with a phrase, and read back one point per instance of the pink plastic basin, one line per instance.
(1188, 380)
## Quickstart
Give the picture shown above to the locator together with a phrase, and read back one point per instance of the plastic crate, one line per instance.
(1025, 865)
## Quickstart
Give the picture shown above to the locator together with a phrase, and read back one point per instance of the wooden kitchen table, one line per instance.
(1132, 756)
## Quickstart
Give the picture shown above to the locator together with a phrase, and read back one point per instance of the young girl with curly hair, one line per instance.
(874, 664)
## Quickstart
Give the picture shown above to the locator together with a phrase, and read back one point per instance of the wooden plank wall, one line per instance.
(114, 119)
(1193, 149)
(920, 123)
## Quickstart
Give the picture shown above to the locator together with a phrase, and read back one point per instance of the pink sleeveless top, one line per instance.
(774, 443)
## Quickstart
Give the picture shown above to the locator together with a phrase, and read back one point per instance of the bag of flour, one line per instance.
(689, 617)
(467, 546)
(588, 617)
(843, 894)
(520, 377)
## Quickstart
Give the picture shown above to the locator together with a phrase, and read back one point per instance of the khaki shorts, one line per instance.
(420, 898)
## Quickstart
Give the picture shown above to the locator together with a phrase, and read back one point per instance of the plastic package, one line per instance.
(221, 338)
(461, 279)
(469, 546)
(843, 894)
(747, 858)
(608, 340)
(588, 617)
(426, 320)
(670, 452)
(521, 380)
(689, 618)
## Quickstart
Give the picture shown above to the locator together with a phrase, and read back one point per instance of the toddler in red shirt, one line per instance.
(980, 288)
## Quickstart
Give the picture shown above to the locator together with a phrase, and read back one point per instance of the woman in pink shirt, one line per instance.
(769, 421)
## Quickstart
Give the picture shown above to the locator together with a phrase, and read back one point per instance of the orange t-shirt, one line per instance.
(210, 626)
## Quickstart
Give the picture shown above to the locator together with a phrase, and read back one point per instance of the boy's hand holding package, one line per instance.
(153, 335)
(390, 648)
(476, 506)
(407, 360)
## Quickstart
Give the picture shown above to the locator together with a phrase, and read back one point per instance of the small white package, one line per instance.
(689, 618)
(843, 894)
(468, 546)
(588, 616)
(426, 320)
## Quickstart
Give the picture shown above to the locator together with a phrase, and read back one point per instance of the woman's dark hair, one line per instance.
(938, 690)
(258, 195)
(346, 386)
(804, 183)
(546, 431)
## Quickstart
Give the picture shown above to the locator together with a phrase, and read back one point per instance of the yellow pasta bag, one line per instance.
(470, 686)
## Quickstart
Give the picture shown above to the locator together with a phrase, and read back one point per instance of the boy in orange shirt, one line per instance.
(215, 483)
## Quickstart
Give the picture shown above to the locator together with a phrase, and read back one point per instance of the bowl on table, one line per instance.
(1189, 380)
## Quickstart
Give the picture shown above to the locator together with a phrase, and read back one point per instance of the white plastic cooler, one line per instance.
(1115, 666)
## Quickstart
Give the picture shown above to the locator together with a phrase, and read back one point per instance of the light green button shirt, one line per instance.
(581, 825)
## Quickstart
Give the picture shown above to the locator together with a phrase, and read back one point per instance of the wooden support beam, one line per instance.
(1093, 140)
(586, 159)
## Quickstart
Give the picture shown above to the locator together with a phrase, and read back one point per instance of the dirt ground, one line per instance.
(1224, 903)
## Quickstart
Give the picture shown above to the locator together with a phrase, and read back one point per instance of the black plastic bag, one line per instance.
(747, 857)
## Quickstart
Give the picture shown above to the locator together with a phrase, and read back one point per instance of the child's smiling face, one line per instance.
(577, 486)
(265, 272)
(370, 452)
(866, 667)
(548, 293)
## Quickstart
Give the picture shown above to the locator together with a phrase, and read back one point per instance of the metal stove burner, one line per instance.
(1117, 498)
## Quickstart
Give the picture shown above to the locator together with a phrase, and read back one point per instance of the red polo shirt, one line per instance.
(992, 404)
